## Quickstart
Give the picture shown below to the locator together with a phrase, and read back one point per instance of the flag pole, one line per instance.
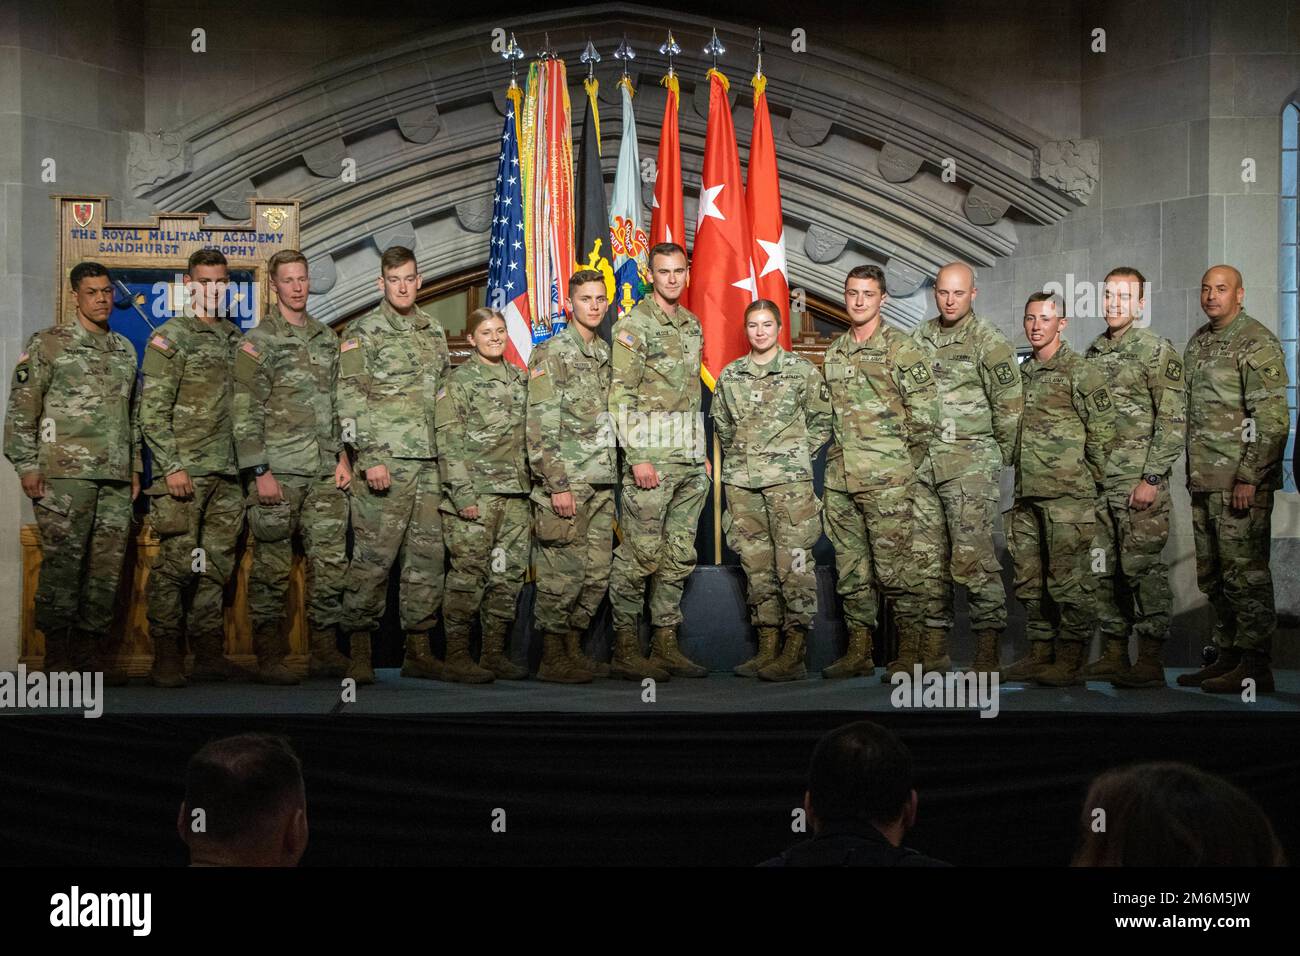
(717, 499)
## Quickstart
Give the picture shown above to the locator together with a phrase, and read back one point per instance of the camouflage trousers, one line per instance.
(84, 528)
(573, 558)
(489, 558)
(970, 508)
(187, 590)
(1133, 591)
(1050, 540)
(318, 511)
(774, 529)
(399, 525)
(889, 547)
(659, 527)
(1232, 567)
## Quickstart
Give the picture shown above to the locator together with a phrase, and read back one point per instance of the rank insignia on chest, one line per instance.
(1003, 372)
(756, 396)
(1174, 370)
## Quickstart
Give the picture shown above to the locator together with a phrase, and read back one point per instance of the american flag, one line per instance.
(507, 275)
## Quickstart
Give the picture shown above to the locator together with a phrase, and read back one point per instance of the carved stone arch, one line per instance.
(421, 119)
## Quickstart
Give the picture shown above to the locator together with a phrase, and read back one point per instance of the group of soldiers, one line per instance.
(465, 477)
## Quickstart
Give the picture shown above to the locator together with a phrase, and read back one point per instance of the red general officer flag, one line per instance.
(763, 201)
(667, 223)
(722, 276)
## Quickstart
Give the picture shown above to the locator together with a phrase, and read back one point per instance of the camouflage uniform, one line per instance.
(390, 369)
(285, 419)
(185, 419)
(656, 375)
(1234, 374)
(882, 514)
(771, 420)
(571, 448)
(482, 461)
(81, 386)
(1066, 432)
(1144, 376)
(979, 413)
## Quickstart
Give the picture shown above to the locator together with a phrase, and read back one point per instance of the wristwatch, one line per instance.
(1152, 479)
(260, 470)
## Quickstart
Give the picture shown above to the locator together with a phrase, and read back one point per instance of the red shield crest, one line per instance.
(83, 212)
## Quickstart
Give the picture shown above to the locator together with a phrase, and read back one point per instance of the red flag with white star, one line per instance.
(763, 201)
(722, 277)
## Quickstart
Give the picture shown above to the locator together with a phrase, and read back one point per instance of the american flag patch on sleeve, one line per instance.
(442, 393)
(538, 372)
(627, 339)
(348, 346)
(250, 348)
(161, 342)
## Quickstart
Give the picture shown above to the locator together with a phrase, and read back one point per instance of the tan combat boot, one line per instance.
(1148, 671)
(557, 667)
(767, 641)
(168, 666)
(1228, 659)
(666, 655)
(856, 661)
(1066, 669)
(909, 654)
(359, 668)
(459, 666)
(1032, 664)
(418, 661)
(1253, 665)
(57, 651)
(494, 657)
(934, 650)
(573, 649)
(629, 663)
(211, 663)
(1113, 662)
(986, 652)
(324, 658)
(790, 665)
(270, 647)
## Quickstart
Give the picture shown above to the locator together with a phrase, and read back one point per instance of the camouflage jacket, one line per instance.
(1237, 415)
(78, 391)
(284, 397)
(885, 405)
(1144, 376)
(390, 369)
(1067, 428)
(480, 422)
(569, 436)
(771, 420)
(654, 395)
(979, 395)
(186, 401)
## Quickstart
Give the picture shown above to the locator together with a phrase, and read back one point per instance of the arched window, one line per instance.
(1288, 303)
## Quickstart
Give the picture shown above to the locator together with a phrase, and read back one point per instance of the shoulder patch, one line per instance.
(161, 343)
(442, 393)
(1003, 373)
(348, 346)
(537, 372)
(1174, 371)
(1101, 399)
(249, 349)
(626, 339)
(920, 373)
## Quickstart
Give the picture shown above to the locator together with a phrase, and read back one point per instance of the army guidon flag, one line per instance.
(507, 284)
(627, 232)
(763, 202)
(722, 275)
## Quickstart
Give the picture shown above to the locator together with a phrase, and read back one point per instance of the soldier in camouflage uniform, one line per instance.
(288, 443)
(572, 454)
(195, 498)
(391, 365)
(979, 415)
(654, 400)
(1237, 425)
(882, 513)
(483, 465)
(771, 412)
(1144, 375)
(1066, 432)
(71, 434)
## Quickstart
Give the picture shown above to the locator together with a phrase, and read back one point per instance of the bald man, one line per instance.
(1237, 425)
(980, 403)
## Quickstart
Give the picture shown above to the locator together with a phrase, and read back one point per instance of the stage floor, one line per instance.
(720, 693)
